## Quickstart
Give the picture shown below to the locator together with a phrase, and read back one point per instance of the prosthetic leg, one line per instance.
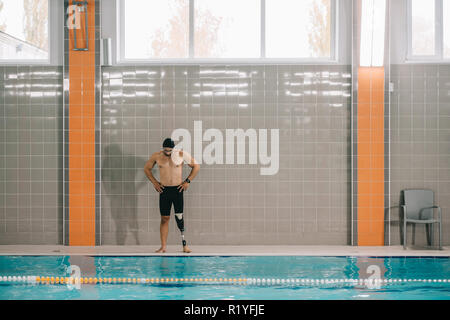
(180, 224)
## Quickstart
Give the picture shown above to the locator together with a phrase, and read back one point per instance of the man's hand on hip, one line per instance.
(158, 186)
(183, 186)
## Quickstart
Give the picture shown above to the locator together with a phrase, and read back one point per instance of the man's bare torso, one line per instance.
(170, 173)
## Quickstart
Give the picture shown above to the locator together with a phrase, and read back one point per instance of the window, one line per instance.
(428, 30)
(227, 29)
(209, 30)
(373, 18)
(446, 19)
(24, 30)
(157, 29)
(423, 28)
(298, 29)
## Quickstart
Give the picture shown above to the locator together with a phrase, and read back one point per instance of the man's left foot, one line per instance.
(186, 249)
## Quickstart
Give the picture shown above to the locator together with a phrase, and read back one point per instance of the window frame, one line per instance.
(438, 34)
(121, 60)
(51, 26)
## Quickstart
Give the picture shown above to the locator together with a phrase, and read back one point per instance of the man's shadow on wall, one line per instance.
(119, 174)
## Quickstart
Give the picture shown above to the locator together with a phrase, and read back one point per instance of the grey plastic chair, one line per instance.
(418, 208)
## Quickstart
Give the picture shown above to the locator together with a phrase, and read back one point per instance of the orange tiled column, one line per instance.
(370, 156)
(82, 134)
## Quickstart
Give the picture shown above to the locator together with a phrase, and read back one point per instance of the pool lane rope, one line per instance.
(239, 281)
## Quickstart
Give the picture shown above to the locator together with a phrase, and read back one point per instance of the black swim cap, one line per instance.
(168, 143)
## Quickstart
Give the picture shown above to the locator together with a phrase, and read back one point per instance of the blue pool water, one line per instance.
(257, 267)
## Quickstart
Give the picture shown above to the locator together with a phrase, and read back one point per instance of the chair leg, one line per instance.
(429, 230)
(440, 235)
(404, 235)
(414, 234)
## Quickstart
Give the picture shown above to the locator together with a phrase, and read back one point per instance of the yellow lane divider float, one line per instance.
(111, 280)
(240, 281)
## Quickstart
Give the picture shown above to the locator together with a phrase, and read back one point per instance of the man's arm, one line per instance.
(195, 168)
(191, 162)
(148, 172)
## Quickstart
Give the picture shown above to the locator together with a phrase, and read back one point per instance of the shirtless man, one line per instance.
(171, 186)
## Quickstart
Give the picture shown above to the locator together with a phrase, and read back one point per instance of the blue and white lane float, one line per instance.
(236, 281)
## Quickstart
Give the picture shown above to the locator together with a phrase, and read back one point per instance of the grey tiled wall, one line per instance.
(30, 161)
(420, 138)
(307, 202)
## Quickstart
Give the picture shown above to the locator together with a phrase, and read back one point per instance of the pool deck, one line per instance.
(172, 250)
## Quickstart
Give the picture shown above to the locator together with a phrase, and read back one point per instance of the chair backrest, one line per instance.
(416, 199)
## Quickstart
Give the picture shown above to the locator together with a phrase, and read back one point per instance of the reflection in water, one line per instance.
(368, 268)
(351, 268)
(119, 173)
(173, 267)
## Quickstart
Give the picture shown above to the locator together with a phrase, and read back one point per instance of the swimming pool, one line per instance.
(226, 277)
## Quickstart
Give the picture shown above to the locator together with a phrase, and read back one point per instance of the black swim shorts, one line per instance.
(169, 195)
